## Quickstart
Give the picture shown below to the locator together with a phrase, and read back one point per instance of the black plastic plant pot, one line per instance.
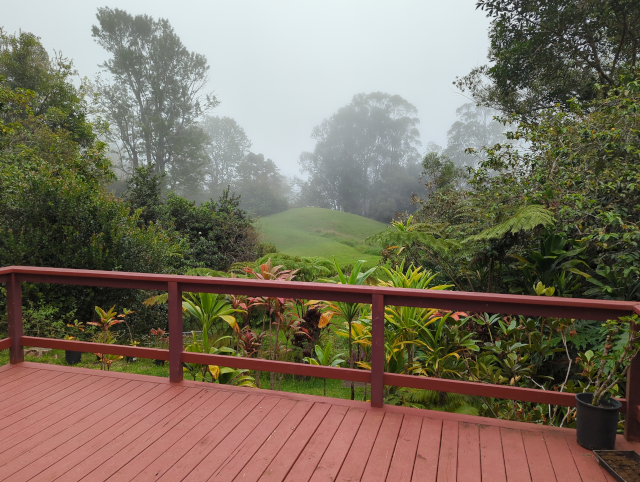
(160, 363)
(72, 357)
(596, 427)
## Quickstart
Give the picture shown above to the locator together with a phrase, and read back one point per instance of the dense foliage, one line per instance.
(545, 52)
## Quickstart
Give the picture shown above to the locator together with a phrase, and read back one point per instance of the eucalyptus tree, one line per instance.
(154, 95)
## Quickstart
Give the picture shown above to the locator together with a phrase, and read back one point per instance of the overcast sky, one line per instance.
(280, 67)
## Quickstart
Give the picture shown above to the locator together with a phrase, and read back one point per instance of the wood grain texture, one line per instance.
(538, 456)
(561, 458)
(65, 423)
(468, 453)
(491, 455)
(515, 456)
(404, 455)
(428, 452)
(448, 461)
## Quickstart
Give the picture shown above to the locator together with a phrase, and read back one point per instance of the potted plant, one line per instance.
(108, 319)
(597, 412)
(73, 357)
(159, 339)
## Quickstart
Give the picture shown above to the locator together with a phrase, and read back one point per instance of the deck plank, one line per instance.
(448, 461)
(16, 373)
(361, 447)
(39, 394)
(515, 456)
(19, 392)
(240, 404)
(468, 453)
(88, 462)
(26, 382)
(331, 461)
(51, 409)
(425, 468)
(136, 457)
(281, 464)
(253, 430)
(311, 455)
(252, 410)
(254, 456)
(561, 458)
(51, 457)
(248, 437)
(586, 462)
(491, 455)
(384, 448)
(538, 456)
(404, 455)
(12, 447)
(66, 423)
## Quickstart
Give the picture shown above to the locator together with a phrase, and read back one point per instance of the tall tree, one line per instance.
(545, 52)
(226, 148)
(474, 129)
(356, 149)
(261, 186)
(155, 97)
(25, 64)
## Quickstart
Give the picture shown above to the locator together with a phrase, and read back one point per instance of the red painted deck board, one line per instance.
(538, 456)
(425, 467)
(265, 443)
(404, 454)
(308, 460)
(468, 453)
(448, 461)
(515, 456)
(64, 423)
(491, 454)
(280, 465)
(384, 448)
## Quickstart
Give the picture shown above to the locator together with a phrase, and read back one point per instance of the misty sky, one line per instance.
(280, 67)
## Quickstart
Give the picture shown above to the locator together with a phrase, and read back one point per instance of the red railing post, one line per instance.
(632, 419)
(377, 351)
(14, 318)
(175, 332)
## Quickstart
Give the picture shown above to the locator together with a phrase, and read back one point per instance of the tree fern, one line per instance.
(525, 219)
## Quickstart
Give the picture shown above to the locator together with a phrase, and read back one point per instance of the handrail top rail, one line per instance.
(464, 300)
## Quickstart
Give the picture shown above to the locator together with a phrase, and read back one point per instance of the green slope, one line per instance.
(321, 232)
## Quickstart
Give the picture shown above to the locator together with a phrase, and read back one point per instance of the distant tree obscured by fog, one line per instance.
(366, 159)
(475, 128)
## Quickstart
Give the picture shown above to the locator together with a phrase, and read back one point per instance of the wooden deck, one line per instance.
(60, 423)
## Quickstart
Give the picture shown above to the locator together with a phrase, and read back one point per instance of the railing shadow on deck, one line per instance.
(378, 297)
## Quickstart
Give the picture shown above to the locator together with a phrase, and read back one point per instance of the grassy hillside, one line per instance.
(321, 232)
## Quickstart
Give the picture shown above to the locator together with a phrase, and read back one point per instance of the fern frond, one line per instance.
(525, 219)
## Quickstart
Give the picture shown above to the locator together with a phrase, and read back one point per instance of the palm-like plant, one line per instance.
(404, 323)
(222, 375)
(348, 311)
(207, 308)
(327, 358)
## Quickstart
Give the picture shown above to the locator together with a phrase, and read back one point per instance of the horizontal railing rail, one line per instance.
(378, 297)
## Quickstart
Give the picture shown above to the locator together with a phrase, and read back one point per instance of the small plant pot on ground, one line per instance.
(160, 363)
(72, 357)
(596, 426)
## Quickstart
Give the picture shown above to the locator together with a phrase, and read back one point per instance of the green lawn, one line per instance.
(321, 232)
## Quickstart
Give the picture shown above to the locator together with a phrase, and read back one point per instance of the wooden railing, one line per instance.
(378, 297)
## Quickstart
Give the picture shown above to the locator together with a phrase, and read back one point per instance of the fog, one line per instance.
(280, 67)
